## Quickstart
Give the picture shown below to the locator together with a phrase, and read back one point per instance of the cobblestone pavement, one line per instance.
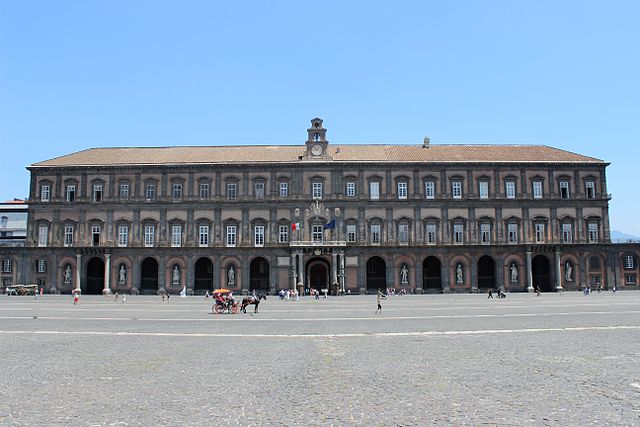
(426, 360)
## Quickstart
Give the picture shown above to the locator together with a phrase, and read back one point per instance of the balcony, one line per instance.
(323, 244)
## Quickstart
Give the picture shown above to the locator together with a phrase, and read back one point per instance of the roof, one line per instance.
(193, 155)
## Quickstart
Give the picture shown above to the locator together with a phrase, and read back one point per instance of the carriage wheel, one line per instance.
(235, 309)
(218, 308)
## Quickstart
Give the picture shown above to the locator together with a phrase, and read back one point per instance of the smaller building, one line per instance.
(13, 223)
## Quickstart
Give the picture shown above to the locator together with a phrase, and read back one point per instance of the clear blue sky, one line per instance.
(82, 74)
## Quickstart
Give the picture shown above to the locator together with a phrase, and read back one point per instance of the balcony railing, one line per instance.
(323, 244)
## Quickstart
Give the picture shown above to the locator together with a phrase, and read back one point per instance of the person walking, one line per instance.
(76, 298)
(490, 293)
(379, 300)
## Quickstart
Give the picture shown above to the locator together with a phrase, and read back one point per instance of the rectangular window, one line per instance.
(628, 262)
(630, 279)
(375, 234)
(41, 266)
(68, 235)
(567, 236)
(149, 235)
(374, 190)
(150, 192)
(204, 190)
(124, 191)
(540, 233)
(71, 193)
(6, 266)
(258, 235)
(317, 190)
(258, 190)
(176, 235)
(590, 188)
(512, 233)
(564, 189)
(97, 193)
(203, 236)
(123, 235)
(351, 233)
(351, 189)
(430, 190)
(284, 189)
(537, 189)
(483, 189)
(231, 235)
(177, 191)
(45, 193)
(403, 233)
(402, 190)
(456, 189)
(232, 191)
(430, 234)
(458, 234)
(510, 189)
(95, 235)
(317, 234)
(485, 234)
(593, 232)
(43, 236)
(283, 234)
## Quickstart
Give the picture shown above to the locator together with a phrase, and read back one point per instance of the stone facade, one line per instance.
(425, 218)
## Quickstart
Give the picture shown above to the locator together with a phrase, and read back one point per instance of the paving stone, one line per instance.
(327, 362)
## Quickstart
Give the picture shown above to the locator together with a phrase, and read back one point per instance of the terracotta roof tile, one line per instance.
(339, 153)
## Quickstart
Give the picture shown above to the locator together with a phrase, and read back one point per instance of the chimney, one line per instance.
(426, 142)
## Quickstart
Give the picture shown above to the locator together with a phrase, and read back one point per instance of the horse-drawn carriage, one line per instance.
(224, 302)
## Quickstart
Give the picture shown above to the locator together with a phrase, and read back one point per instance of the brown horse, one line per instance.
(252, 301)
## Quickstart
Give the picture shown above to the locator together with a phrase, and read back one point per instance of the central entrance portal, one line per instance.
(318, 274)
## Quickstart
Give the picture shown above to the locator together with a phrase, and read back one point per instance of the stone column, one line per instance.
(107, 275)
(529, 273)
(162, 273)
(418, 276)
(78, 267)
(558, 272)
(301, 277)
(293, 268)
(341, 274)
(334, 267)
(474, 274)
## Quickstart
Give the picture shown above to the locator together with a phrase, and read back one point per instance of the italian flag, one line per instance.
(295, 226)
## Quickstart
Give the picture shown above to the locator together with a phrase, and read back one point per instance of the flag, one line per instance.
(295, 226)
(330, 224)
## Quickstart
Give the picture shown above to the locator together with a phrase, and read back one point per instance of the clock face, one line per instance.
(316, 150)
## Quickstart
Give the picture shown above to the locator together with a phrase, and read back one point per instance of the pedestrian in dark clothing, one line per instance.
(490, 293)
(379, 309)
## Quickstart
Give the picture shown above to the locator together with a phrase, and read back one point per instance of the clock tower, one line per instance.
(316, 140)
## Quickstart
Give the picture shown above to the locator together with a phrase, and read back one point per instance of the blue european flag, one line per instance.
(330, 224)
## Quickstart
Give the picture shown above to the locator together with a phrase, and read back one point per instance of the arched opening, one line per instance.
(486, 272)
(259, 275)
(318, 274)
(376, 274)
(95, 277)
(432, 274)
(541, 273)
(203, 276)
(149, 276)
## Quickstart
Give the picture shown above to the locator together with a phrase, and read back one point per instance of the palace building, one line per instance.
(352, 218)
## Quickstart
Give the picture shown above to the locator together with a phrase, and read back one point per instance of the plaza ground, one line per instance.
(555, 359)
